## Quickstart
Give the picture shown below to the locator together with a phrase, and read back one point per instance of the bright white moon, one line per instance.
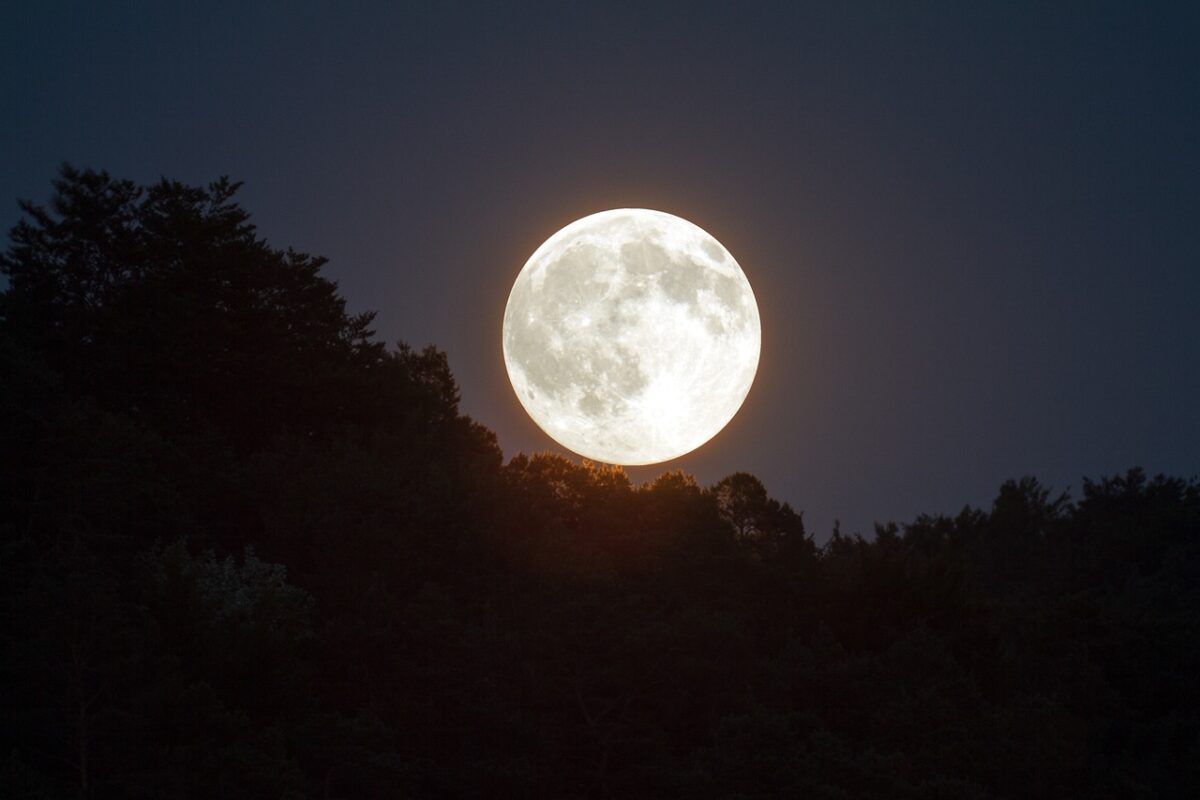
(631, 336)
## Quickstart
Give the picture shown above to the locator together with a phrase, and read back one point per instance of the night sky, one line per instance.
(973, 231)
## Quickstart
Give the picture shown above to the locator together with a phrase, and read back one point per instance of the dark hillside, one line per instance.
(246, 550)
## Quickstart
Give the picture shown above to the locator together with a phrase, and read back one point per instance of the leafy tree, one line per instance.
(248, 551)
(163, 304)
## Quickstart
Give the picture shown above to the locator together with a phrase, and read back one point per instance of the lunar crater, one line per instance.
(631, 336)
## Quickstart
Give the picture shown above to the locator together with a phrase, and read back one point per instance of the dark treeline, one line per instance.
(248, 551)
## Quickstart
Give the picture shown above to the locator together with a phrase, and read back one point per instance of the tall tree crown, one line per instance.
(163, 302)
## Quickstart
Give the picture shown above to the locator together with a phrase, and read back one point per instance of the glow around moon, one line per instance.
(631, 336)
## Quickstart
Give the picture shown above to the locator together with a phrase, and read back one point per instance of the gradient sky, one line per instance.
(973, 229)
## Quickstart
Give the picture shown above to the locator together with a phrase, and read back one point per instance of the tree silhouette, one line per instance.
(246, 550)
(163, 304)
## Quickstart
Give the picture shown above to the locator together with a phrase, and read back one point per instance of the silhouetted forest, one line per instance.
(249, 551)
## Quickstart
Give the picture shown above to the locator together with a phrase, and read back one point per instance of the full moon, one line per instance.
(631, 336)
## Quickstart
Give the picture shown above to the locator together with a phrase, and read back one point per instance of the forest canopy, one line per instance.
(249, 550)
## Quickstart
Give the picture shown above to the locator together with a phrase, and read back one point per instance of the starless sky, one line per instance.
(973, 229)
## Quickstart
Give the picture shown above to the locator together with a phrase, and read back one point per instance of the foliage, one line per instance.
(248, 551)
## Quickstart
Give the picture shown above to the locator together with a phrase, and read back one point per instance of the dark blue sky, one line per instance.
(974, 230)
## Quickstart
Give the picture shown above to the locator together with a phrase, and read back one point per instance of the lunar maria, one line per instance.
(631, 336)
